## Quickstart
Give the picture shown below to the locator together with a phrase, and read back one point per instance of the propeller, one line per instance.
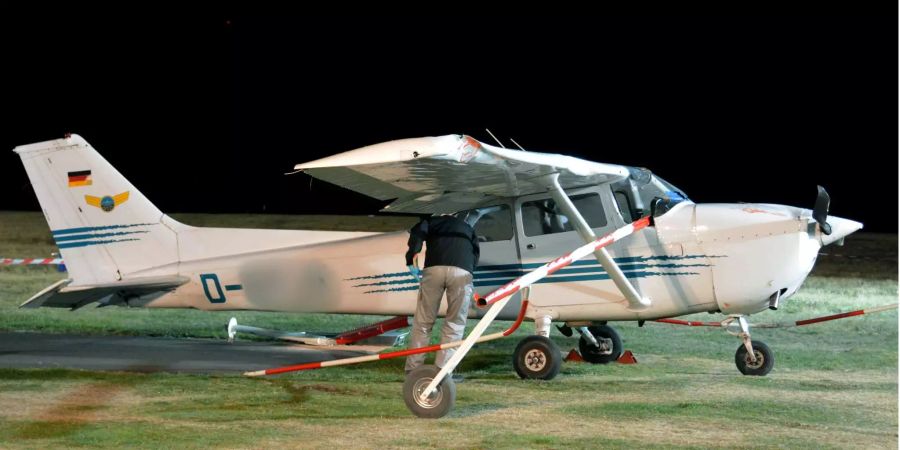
(820, 211)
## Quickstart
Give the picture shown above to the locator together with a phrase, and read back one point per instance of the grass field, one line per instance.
(834, 384)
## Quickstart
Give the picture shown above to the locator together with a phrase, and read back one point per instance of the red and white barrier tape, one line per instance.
(798, 323)
(689, 323)
(30, 261)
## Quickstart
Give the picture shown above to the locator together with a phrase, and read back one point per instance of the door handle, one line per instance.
(531, 246)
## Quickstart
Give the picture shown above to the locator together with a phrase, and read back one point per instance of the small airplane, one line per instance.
(526, 207)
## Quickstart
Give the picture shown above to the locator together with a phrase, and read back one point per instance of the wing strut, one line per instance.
(635, 301)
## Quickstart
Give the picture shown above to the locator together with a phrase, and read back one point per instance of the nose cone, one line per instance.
(840, 228)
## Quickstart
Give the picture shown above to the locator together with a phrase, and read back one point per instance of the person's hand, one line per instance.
(414, 271)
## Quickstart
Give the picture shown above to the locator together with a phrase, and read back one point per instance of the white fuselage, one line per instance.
(732, 258)
(710, 257)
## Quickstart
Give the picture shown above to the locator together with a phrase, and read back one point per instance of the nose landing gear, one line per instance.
(751, 358)
(759, 364)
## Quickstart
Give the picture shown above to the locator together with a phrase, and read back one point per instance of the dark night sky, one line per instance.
(205, 114)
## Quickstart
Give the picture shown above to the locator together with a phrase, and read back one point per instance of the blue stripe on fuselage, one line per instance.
(554, 279)
(515, 270)
(89, 243)
(77, 237)
(101, 228)
(584, 269)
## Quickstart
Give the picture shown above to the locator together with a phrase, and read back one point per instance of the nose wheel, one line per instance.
(752, 358)
(760, 364)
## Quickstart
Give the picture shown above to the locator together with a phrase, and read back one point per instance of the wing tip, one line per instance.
(69, 140)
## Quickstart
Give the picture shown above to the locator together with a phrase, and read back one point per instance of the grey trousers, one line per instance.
(435, 280)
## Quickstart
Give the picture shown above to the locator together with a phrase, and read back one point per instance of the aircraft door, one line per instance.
(545, 232)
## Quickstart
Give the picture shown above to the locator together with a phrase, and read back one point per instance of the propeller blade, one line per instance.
(820, 211)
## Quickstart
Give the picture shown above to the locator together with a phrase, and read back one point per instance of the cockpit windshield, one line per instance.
(643, 192)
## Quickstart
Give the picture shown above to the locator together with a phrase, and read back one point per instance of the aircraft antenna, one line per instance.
(517, 144)
(495, 138)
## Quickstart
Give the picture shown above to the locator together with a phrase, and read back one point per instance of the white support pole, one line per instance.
(635, 301)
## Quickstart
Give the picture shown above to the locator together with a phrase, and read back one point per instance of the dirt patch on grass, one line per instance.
(299, 393)
(72, 411)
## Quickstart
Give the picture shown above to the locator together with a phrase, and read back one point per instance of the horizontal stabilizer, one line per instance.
(61, 295)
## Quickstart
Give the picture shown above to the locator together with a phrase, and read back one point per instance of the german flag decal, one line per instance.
(80, 178)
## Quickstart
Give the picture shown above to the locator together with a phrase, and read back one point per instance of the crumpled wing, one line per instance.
(451, 173)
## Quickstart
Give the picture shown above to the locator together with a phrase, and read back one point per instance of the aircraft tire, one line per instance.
(765, 360)
(592, 354)
(537, 358)
(441, 401)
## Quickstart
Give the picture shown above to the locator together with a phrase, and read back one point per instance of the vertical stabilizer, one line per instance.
(104, 227)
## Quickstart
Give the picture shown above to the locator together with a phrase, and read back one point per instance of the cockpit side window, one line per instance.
(624, 205)
(544, 216)
(491, 223)
(644, 192)
(628, 198)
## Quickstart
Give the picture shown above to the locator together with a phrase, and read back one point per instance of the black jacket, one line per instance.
(451, 242)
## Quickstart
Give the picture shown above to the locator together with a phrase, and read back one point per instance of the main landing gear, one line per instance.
(599, 343)
(537, 357)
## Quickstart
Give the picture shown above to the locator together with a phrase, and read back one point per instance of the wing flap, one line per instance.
(357, 180)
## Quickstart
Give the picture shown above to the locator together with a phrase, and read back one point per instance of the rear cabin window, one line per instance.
(492, 223)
